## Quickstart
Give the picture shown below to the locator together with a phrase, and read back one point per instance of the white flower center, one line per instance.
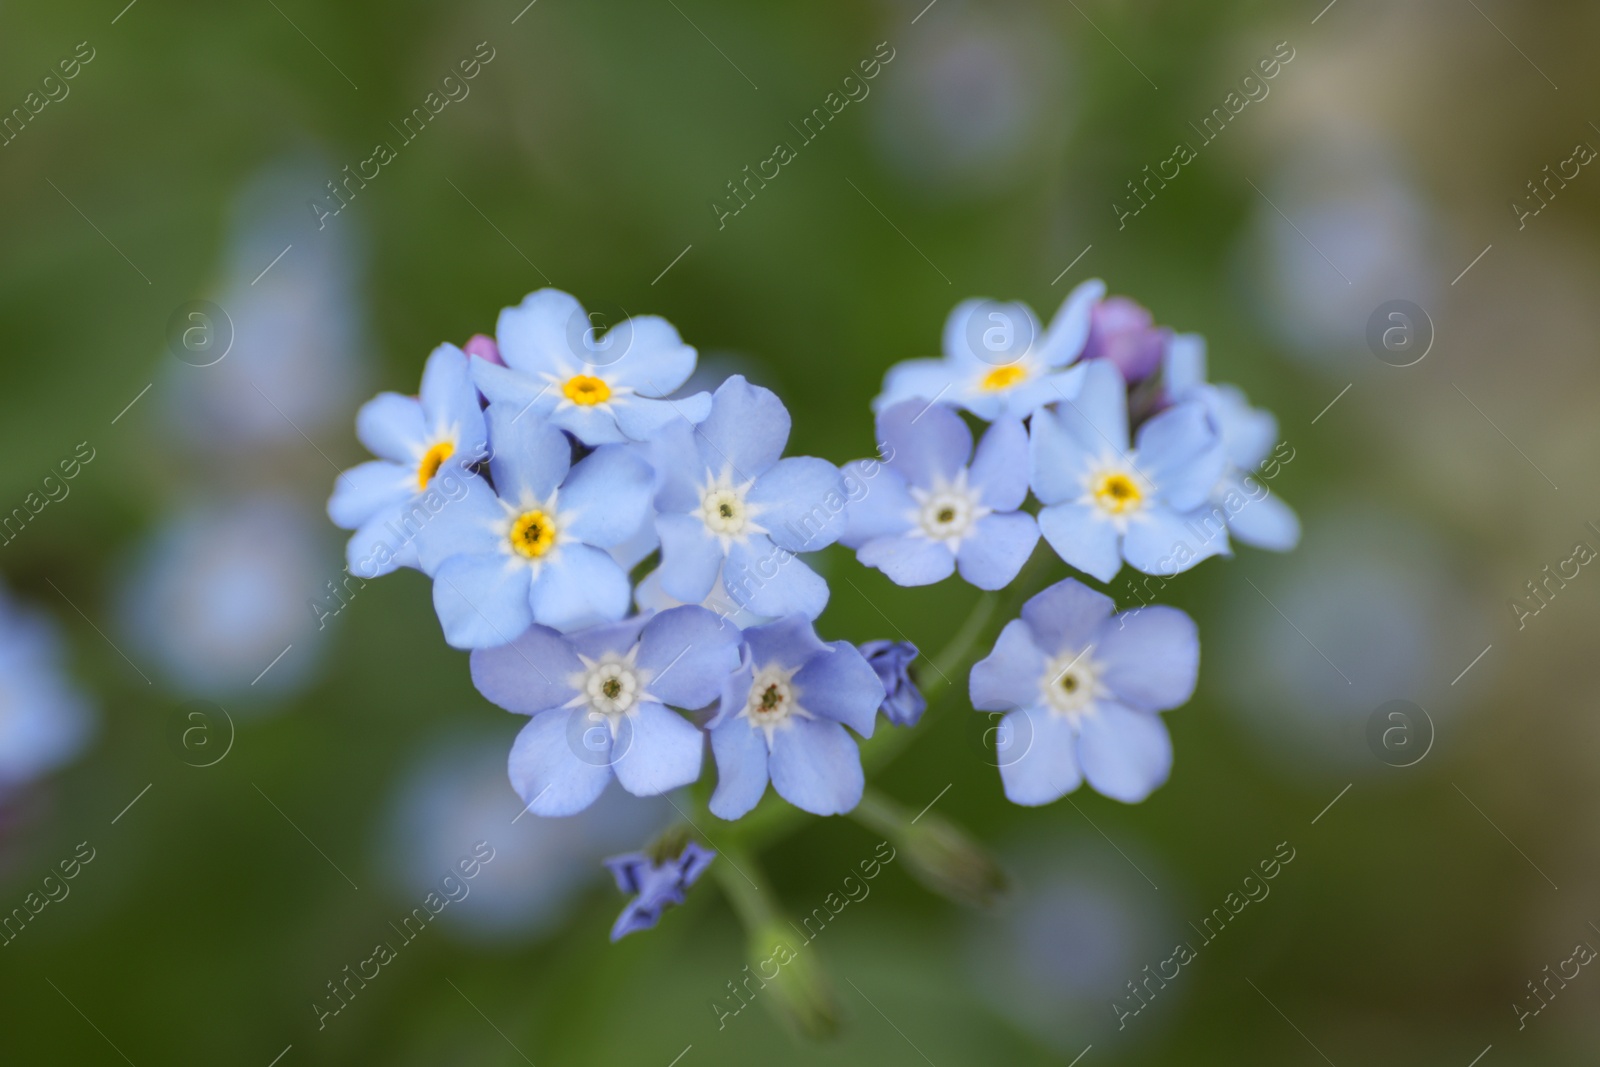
(611, 686)
(728, 516)
(949, 512)
(773, 701)
(1116, 491)
(1070, 684)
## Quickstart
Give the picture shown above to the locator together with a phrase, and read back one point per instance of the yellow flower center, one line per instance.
(586, 390)
(533, 534)
(432, 460)
(1003, 377)
(1117, 493)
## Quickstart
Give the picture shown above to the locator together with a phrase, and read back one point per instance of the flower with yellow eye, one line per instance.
(1106, 502)
(533, 549)
(998, 362)
(603, 386)
(426, 446)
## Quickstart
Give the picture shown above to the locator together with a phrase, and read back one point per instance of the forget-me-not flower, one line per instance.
(1083, 689)
(421, 442)
(600, 702)
(997, 360)
(932, 513)
(1124, 332)
(1104, 502)
(783, 715)
(602, 389)
(728, 504)
(1252, 513)
(654, 885)
(533, 549)
(44, 719)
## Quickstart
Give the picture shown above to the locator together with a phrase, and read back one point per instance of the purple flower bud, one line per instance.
(1125, 333)
(484, 348)
(902, 704)
(655, 885)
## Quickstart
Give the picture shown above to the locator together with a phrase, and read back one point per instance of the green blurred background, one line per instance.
(984, 161)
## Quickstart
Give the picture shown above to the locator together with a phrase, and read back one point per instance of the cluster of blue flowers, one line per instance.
(539, 472)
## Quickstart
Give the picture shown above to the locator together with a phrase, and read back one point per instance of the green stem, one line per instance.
(743, 882)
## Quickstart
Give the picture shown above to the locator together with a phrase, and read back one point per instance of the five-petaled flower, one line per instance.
(532, 550)
(599, 704)
(1104, 502)
(1082, 690)
(729, 505)
(603, 389)
(423, 443)
(783, 715)
(931, 513)
(997, 361)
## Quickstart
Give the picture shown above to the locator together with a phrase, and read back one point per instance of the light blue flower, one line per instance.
(931, 513)
(783, 716)
(654, 885)
(602, 389)
(44, 719)
(425, 445)
(1241, 496)
(729, 505)
(533, 549)
(599, 704)
(1106, 503)
(1081, 690)
(997, 361)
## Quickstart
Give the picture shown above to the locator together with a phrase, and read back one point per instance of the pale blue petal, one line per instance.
(1069, 329)
(469, 525)
(769, 580)
(929, 379)
(502, 385)
(926, 444)
(997, 549)
(1185, 367)
(689, 652)
(1000, 467)
(1097, 418)
(690, 557)
(1067, 615)
(802, 503)
(1022, 400)
(1266, 522)
(817, 767)
(450, 400)
(741, 754)
(642, 418)
(790, 642)
(747, 429)
(663, 752)
(679, 472)
(548, 775)
(530, 674)
(1057, 462)
(606, 497)
(1248, 433)
(1149, 657)
(1040, 763)
(654, 361)
(482, 601)
(1180, 452)
(544, 334)
(530, 455)
(593, 425)
(581, 587)
(379, 547)
(1165, 542)
(909, 560)
(979, 334)
(879, 505)
(392, 428)
(1008, 677)
(367, 488)
(1125, 754)
(841, 685)
(619, 637)
(1083, 539)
